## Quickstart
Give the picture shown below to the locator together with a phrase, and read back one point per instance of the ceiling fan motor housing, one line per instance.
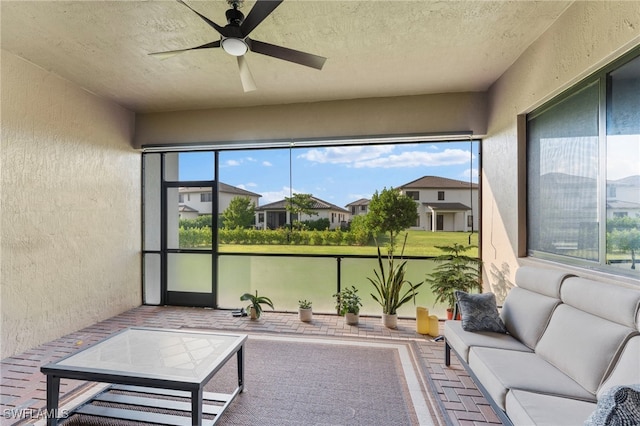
(234, 16)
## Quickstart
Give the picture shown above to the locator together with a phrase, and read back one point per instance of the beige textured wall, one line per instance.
(70, 224)
(586, 37)
(448, 112)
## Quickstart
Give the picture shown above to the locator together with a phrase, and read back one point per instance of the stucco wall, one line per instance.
(70, 225)
(449, 112)
(586, 37)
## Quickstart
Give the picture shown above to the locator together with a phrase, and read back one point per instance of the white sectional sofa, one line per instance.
(569, 340)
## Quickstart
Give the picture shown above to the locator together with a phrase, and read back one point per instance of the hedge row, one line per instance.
(201, 237)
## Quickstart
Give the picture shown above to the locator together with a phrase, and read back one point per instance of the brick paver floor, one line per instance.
(23, 387)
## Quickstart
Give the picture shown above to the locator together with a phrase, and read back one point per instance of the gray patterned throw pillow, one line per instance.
(619, 406)
(479, 312)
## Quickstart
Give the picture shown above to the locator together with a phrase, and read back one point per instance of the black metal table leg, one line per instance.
(196, 407)
(53, 396)
(240, 355)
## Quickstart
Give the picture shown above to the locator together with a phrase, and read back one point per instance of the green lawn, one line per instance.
(419, 243)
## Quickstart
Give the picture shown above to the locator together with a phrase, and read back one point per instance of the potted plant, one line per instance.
(348, 303)
(389, 284)
(456, 271)
(391, 212)
(255, 305)
(305, 313)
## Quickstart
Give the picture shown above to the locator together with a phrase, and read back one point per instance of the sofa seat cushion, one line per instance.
(530, 408)
(499, 370)
(461, 341)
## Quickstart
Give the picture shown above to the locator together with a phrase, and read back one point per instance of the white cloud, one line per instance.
(346, 154)
(381, 156)
(272, 196)
(465, 175)
(247, 185)
(232, 163)
(448, 157)
(356, 197)
(267, 164)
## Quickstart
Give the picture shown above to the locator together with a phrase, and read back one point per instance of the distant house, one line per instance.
(444, 204)
(623, 197)
(359, 207)
(197, 201)
(275, 215)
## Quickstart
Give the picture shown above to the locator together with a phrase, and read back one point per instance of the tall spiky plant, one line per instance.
(389, 283)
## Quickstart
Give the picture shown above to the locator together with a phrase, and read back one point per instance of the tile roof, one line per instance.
(223, 187)
(318, 204)
(360, 202)
(438, 182)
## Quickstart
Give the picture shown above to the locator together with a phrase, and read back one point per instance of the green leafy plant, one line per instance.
(389, 283)
(304, 304)
(256, 302)
(456, 271)
(391, 212)
(241, 213)
(348, 301)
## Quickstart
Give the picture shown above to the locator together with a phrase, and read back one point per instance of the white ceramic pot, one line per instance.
(390, 320)
(305, 315)
(351, 319)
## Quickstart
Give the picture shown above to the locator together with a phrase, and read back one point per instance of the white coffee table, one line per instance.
(151, 361)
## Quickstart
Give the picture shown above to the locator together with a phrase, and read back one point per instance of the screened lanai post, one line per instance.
(215, 209)
(471, 185)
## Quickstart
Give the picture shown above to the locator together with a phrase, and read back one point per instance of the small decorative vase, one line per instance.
(351, 318)
(253, 314)
(390, 320)
(305, 315)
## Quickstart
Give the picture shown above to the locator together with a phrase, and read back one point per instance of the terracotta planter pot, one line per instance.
(450, 314)
(252, 314)
(390, 320)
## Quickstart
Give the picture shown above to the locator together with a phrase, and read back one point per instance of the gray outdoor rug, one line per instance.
(300, 381)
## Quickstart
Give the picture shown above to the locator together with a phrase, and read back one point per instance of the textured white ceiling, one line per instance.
(374, 48)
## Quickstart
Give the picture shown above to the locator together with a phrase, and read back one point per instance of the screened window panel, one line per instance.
(151, 163)
(563, 177)
(623, 167)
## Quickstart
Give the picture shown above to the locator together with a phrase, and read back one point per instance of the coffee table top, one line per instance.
(176, 355)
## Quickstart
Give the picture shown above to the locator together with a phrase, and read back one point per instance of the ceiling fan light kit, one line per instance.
(234, 39)
(234, 46)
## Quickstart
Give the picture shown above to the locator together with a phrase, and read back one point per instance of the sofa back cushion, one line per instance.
(526, 315)
(540, 280)
(612, 302)
(582, 345)
(626, 370)
(528, 307)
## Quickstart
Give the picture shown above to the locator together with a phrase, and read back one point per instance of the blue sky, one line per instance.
(338, 175)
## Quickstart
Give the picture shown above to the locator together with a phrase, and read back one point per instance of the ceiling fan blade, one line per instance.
(245, 75)
(171, 53)
(258, 13)
(212, 24)
(284, 53)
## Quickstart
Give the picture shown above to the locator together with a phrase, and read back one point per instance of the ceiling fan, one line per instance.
(234, 39)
